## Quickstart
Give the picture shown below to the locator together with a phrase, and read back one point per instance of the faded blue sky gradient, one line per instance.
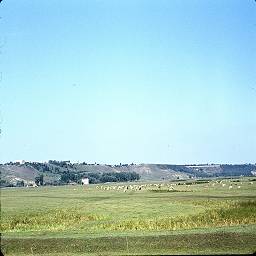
(128, 81)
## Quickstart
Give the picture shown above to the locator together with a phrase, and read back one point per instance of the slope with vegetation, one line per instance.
(64, 172)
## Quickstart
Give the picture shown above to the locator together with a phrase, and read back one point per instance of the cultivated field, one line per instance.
(184, 217)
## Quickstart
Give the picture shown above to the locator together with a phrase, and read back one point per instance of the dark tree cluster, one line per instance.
(20, 183)
(4, 183)
(39, 180)
(119, 176)
(41, 167)
(67, 177)
(63, 164)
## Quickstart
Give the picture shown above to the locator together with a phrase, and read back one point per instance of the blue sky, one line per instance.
(128, 81)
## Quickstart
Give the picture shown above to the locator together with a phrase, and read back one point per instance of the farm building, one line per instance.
(85, 181)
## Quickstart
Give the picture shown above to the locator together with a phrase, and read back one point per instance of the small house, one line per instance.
(85, 181)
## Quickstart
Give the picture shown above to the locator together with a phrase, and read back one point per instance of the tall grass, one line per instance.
(232, 214)
(226, 214)
(58, 219)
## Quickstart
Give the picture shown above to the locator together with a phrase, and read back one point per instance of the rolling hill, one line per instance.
(53, 171)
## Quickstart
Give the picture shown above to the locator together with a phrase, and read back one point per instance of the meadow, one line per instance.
(181, 217)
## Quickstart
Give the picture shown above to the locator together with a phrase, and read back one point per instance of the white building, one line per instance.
(253, 173)
(85, 181)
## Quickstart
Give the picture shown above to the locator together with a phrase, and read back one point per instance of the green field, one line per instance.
(130, 219)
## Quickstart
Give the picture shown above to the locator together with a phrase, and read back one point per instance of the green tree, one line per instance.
(20, 183)
(39, 180)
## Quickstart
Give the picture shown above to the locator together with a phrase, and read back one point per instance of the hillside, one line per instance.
(53, 172)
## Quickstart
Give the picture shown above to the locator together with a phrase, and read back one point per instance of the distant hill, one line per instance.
(24, 173)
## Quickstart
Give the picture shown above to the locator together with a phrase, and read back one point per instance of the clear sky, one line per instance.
(141, 81)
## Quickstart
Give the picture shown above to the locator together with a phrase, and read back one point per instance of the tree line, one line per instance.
(94, 178)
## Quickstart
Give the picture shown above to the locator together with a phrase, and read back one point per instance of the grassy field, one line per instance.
(203, 217)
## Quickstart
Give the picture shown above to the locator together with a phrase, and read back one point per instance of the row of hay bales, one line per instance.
(171, 186)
